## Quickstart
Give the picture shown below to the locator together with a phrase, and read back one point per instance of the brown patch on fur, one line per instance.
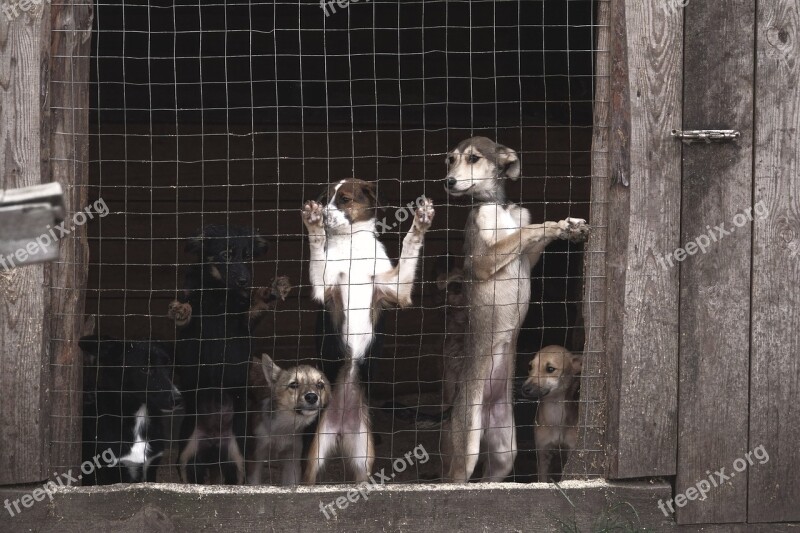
(355, 198)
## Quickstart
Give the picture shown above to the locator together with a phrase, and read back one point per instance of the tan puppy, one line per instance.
(295, 399)
(554, 379)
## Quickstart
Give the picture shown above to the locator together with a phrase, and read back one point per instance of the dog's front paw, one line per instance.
(424, 214)
(281, 287)
(574, 229)
(312, 214)
(180, 313)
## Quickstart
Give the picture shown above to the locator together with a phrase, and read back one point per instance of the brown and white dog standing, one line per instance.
(554, 379)
(500, 248)
(294, 400)
(351, 273)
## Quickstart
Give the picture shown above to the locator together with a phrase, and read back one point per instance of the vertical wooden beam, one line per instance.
(69, 104)
(715, 283)
(589, 458)
(23, 92)
(644, 220)
(774, 487)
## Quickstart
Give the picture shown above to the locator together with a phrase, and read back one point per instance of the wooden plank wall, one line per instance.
(774, 487)
(644, 220)
(69, 154)
(23, 70)
(715, 285)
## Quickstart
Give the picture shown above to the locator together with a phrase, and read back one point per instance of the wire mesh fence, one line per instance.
(206, 356)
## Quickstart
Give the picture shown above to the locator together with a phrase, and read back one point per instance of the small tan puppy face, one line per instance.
(551, 370)
(302, 389)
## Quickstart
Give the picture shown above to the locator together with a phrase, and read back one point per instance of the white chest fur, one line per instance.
(355, 256)
(138, 457)
(497, 221)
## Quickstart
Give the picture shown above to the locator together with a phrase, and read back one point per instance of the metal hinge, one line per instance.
(707, 136)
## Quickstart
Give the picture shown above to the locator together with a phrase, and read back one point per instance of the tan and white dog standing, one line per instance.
(351, 273)
(554, 379)
(295, 398)
(500, 248)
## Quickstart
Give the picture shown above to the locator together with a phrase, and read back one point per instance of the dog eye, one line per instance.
(550, 369)
(346, 199)
(320, 385)
(293, 385)
(451, 159)
(473, 159)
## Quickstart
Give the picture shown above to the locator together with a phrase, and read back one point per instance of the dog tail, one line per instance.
(418, 418)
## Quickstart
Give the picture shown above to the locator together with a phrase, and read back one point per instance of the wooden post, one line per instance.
(643, 224)
(23, 111)
(69, 141)
(589, 459)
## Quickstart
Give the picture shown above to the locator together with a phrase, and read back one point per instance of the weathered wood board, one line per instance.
(774, 487)
(23, 378)
(715, 279)
(644, 220)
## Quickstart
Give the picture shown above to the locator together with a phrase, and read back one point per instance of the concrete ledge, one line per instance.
(572, 506)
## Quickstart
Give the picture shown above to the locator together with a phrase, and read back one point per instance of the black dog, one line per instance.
(213, 351)
(127, 387)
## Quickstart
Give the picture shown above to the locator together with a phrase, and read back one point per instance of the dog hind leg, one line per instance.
(323, 444)
(466, 429)
(501, 443)
(359, 444)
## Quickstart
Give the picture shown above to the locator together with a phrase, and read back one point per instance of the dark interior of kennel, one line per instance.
(237, 112)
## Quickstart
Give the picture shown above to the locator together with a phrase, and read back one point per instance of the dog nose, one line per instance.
(311, 397)
(527, 390)
(241, 282)
(450, 182)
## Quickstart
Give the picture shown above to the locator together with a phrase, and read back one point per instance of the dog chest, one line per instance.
(495, 221)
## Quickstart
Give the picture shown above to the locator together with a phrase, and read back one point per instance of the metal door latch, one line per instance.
(707, 136)
(27, 217)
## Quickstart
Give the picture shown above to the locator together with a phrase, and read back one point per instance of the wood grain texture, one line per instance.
(576, 506)
(715, 286)
(589, 459)
(642, 319)
(22, 380)
(69, 105)
(774, 487)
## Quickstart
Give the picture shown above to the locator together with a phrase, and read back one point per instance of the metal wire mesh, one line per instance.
(235, 113)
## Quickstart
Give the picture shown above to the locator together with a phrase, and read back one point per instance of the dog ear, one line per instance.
(577, 365)
(271, 370)
(260, 246)
(194, 246)
(368, 189)
(507, 162)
